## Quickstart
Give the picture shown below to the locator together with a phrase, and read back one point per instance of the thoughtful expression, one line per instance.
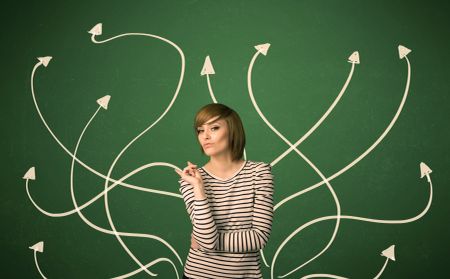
(213, 136)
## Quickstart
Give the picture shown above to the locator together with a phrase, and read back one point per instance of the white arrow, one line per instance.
(262, 49)
(364, 154)
(30, 174)
(208, 70)
(118, 182)
(390, 255)
(403, 51)
(370, 220)
(207, 67)
(44, 61)
(136, 171)
(89, 223)
(96, 30)
(425, 170)
(38, 247)
(104, 101)
(354, 59)
(107, 179)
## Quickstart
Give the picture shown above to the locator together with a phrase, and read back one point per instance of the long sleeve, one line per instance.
(204, 226)
(255, 238)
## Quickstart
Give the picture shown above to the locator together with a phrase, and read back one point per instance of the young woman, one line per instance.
(229, 200)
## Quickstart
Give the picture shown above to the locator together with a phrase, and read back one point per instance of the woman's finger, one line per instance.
(190, 164)
(190, 167)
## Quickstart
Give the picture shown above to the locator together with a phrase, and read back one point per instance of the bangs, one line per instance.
(236, 134)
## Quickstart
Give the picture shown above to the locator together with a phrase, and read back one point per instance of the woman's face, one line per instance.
(213, 136)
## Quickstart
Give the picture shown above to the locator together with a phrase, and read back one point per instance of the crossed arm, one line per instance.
(253, 239)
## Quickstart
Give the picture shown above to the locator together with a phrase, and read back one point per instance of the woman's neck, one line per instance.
(223, 165)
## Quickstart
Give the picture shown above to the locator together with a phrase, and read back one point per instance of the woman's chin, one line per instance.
(209, 152)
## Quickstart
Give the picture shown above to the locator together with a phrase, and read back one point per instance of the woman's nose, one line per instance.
(206, 134)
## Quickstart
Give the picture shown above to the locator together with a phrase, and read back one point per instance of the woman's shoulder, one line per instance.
(259, 165)
(262, 171)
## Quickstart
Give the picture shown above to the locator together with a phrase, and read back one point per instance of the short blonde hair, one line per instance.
(236, 134)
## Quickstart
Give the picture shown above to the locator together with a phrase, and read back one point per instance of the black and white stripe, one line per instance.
(231, 224)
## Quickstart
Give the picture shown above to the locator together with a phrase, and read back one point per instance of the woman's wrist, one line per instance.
(199, 192)
(200, 196)
(198, 186)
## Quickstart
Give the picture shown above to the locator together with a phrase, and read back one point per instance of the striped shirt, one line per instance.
(231, 224)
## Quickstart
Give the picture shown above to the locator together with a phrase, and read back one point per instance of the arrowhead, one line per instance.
(207, 67)
(45, 60)
(30, 174)
(389, 252)
(39, 247)
(263, 48)
(354, 58)
(103, 101)
(96, 30)
(403, 51)
(424, 170)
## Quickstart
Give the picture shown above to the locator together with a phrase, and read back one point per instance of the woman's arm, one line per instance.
(255, 238)
(235, 241)
(204, 226)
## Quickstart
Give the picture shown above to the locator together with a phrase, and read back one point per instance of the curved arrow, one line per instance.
(75, 202)
(353, 59)
(370, 220)
(91, 224)
(103, 102)
(45, 61)
(38, 247)
(208, 70)
(86, 204)
(388, 253)
(97, 30)
(32, 170)
(403, 51)
(30, 174)
(262, 49)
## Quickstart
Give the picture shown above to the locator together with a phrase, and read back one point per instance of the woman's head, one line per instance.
(222, 127)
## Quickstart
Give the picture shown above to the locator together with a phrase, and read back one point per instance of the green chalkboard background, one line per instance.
(294, 85)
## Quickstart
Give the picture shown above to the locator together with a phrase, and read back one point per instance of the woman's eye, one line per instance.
(212, 128)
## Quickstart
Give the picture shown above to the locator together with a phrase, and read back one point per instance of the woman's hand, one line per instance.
(194, 244)
(191, 175)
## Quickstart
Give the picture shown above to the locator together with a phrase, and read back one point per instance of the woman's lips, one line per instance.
(207, 145)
